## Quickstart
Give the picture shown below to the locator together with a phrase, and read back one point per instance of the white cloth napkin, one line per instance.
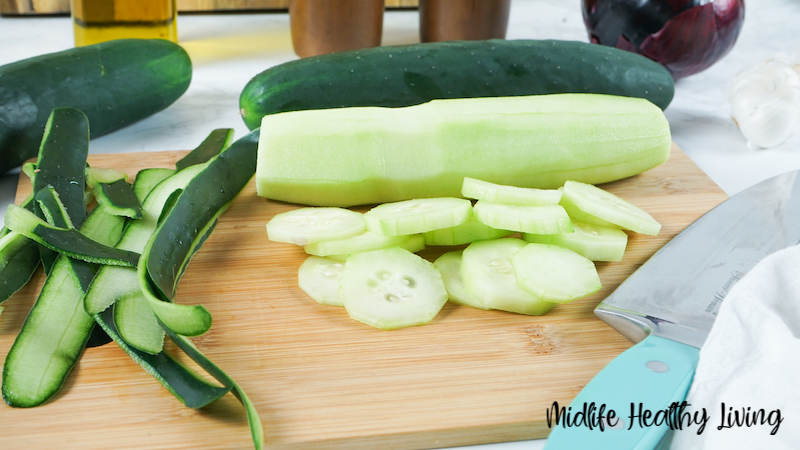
(752, 360)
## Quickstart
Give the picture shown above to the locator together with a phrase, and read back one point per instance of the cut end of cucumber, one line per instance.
(391, 288)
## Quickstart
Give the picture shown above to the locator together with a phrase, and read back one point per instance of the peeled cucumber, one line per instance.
(367, 155)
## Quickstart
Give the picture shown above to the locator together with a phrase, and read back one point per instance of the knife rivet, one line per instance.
(657, 366)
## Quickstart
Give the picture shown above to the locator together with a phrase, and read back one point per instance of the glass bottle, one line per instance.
(104, 20)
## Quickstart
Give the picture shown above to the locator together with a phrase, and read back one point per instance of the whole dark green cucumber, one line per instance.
(413, 74)
(114, 83)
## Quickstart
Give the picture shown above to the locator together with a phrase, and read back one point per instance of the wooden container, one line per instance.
(323, 26)
(447, 20)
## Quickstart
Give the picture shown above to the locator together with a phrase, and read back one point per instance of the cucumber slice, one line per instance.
(596, 242)
(449, 266)
(391, 288)
(414, 244)
(309, 225)
(489, 276)
(607, 206)
(577, 215)
(509, 195)
(551, 219)
(418, 216)
(470, 231)
(364, 242)
(555, 274)
(319, 278)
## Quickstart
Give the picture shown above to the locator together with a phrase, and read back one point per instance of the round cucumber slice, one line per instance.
(489, 276)
(319, 278)
(607, 206)
(555, 274)
(509, 195)
(551, 219)
(470, 231)
(418, 216)
(449, 265)
(363, 242)
(391, 288)
(306, 226)
(595, 242)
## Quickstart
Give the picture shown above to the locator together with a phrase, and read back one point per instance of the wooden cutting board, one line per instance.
(323, 381)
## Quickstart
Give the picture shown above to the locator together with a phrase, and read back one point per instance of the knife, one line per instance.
(667, 307)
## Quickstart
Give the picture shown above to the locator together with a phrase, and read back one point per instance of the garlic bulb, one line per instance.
(765, 101)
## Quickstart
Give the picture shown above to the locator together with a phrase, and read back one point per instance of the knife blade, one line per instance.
(667, 307)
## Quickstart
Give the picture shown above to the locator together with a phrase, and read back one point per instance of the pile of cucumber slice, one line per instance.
(367, 262)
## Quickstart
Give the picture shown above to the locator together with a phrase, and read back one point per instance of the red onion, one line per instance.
(685, 36)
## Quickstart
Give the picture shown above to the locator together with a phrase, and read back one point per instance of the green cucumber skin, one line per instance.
(57, 328)
(50, 342)
(119, 198)
(114, 83)
(197, 209)
(18, 261)
(182, 382)
(408, 75)
(62, 162)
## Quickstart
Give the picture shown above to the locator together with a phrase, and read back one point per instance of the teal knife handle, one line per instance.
(654, 373)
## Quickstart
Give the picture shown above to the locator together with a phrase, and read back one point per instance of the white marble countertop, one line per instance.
(229, 49)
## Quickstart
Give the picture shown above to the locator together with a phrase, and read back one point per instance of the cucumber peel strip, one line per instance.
(181, 381)
(49, 344)
(256, 429)
(107, 287)
(118, 198)
(174, 242)
(51, 207)
(19, 258)
(68, 241)
(147, 179)
(61, 163)
(217, 141)
(29, 169)
(57, 329)
(95, 176)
